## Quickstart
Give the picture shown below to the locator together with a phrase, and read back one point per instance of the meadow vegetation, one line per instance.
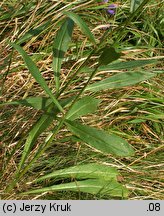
(82, 105)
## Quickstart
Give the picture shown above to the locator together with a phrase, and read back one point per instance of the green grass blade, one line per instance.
(83, 26)
(36, 74)
(60, 46)
(85, 171)
(100, 140)
(120, 80)
(93, 186)
(40, 103)
(82, 107)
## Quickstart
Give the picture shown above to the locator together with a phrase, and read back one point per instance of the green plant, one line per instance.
(91, 178)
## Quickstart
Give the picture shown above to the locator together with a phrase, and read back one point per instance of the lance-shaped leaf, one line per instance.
(89, 178)
(93, 186)
(33, 32)
(100, 140)
(121, 65)
(85, 171)
(36, 74)
(82, 107)
(40, 103)
(34, 133)
(83, 26)
(41, 125)
(120, 80)
(60, 47)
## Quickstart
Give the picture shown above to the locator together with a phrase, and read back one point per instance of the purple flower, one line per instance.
(111, 12)
(111, 9)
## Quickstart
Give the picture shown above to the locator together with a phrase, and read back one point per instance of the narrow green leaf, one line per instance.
(108, 55)
(120, 80)
(121, 65)
(127, 65)
(82, 107)
(85, 171)
(135, 4)
(60, 47)
(84, 28)
(36, 130)
(93, 186)
(33, 33)
(36, 74)
(39, 103)
(41, 125)
(100, 140)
